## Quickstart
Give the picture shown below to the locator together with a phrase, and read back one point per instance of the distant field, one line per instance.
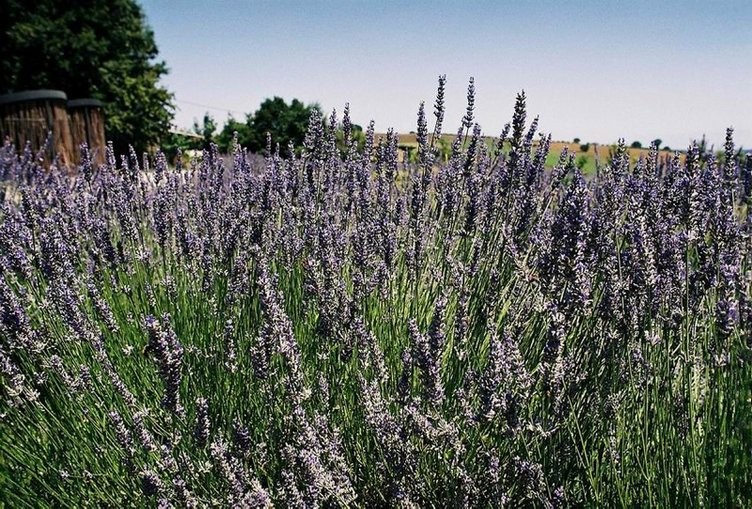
(593, 152)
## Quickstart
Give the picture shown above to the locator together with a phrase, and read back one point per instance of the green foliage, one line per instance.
(285, 122)
(100, 49)
(232, 126)
(207, 129)
(444, 148)
(409, 151)
(584, 147)
(183, 142)
(576, 140)
(176, 142)
(581, 161)
(358, 138)
(656, 142)
(636, 144)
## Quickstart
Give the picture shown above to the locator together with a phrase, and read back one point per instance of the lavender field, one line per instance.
(319, 329)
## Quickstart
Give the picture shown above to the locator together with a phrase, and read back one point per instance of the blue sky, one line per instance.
(599, 71)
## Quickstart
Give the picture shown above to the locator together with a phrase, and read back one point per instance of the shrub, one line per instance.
(581, 161)
(318, 331)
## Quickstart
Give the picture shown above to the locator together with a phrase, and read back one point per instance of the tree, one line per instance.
(232, 126)
(176, 142)
(656, 143)
(206, 130)
(96, 48)
(285, 122)
(357, 136)
(636, 144)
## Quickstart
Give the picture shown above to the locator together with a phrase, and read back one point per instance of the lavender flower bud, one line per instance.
(168, 352)
(203, 426)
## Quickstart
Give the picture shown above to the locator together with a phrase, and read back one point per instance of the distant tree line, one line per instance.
(285, 123)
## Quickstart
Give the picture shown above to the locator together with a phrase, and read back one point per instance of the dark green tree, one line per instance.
(636, 144)
(93, 48)
(357, 135)
(285, 122)
(176, 142)
(232, 126)
(206, 129)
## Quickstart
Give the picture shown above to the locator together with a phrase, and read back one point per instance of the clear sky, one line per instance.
(669, 69)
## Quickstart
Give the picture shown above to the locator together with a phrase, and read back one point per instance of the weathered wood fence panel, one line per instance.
(31, 116)
(87, 126)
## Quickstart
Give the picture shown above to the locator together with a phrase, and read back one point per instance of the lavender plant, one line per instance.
(338, 328)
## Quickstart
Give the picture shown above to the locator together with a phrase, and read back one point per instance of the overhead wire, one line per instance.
(217, 108)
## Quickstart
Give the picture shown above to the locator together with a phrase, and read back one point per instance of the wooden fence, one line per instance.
(87, 126)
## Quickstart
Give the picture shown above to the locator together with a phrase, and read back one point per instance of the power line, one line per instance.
(209, 107)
